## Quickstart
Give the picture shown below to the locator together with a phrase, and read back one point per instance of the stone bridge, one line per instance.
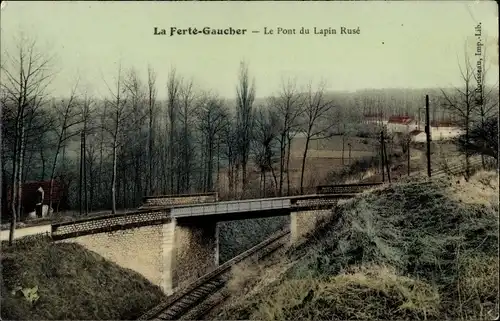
(172, 240)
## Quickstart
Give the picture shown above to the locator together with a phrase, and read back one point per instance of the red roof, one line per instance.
(400, 120)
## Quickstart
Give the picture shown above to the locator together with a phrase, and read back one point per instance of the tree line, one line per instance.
(193, 141)
(139, 145)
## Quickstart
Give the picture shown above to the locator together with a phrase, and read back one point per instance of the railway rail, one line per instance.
(181, 302)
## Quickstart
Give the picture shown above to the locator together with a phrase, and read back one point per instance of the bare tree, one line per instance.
(117, 113)
(230, 142)
(461, 102)
(68, 116)
(245, 92)
(486, 98)
(91, 160)
(212, 119)
(266, 131)
(173, 89)
(136, 97)
(152, 109)
(187, 111)
(288, 107)
(87, 111)
(102, 132)
(25, 77)
(316, 109)
(483, 139)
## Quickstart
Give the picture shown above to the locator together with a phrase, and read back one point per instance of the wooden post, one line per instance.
(408, 150)
(382, 154)
(85, 174)
(386, 161)
(349, 145)
(80, 190)
(428, 135)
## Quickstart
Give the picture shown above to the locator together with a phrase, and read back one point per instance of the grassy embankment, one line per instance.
(416, 250)
(42, 280)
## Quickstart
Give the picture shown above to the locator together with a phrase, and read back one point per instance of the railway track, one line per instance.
(183, 301)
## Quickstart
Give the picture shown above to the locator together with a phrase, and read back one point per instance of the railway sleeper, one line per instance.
(183, 303)
(194, 296)
(207, 287)
(216, 283)
(174, 309)
(197, 293)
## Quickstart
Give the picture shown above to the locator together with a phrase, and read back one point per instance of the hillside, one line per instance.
(415, 250)
(64, 281)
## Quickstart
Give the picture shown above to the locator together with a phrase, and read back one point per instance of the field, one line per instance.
(323, 157)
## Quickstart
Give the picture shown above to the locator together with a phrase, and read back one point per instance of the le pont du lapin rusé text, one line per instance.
(230, 31)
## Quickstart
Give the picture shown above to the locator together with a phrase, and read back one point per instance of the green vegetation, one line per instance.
(42, 280)
(415, 250)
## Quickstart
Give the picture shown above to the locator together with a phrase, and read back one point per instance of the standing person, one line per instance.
(39, 201)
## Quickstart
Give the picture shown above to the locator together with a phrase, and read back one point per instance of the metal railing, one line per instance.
(345, 188)
(231, 207)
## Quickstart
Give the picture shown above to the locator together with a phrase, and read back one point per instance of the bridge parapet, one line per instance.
(108, 223)
(345, 188)
(178, 199)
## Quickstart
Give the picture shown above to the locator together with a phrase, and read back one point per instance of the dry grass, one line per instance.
(477, 287)
(482, 188)
(374, 292)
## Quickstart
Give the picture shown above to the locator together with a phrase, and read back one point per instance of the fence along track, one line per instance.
(182, 301)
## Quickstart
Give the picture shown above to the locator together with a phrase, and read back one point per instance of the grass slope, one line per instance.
(416, 250)
(72, 284)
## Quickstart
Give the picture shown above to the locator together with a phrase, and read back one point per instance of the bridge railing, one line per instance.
(178, 199)
(230, 207)
(345, 188)
(214, 194)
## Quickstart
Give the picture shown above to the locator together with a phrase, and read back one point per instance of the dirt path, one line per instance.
(21, 232)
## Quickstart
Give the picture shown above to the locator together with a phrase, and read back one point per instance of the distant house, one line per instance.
(444, 130)
(401, 124)
(29, 194)
(418, 136)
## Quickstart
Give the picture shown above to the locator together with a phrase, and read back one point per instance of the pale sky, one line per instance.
(411, 44)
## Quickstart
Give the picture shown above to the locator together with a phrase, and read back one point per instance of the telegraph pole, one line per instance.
(428, 135)
(85, 197)
(409, 154)
(82, 137)
(386, 161)
(382, 153)
(349, 146)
